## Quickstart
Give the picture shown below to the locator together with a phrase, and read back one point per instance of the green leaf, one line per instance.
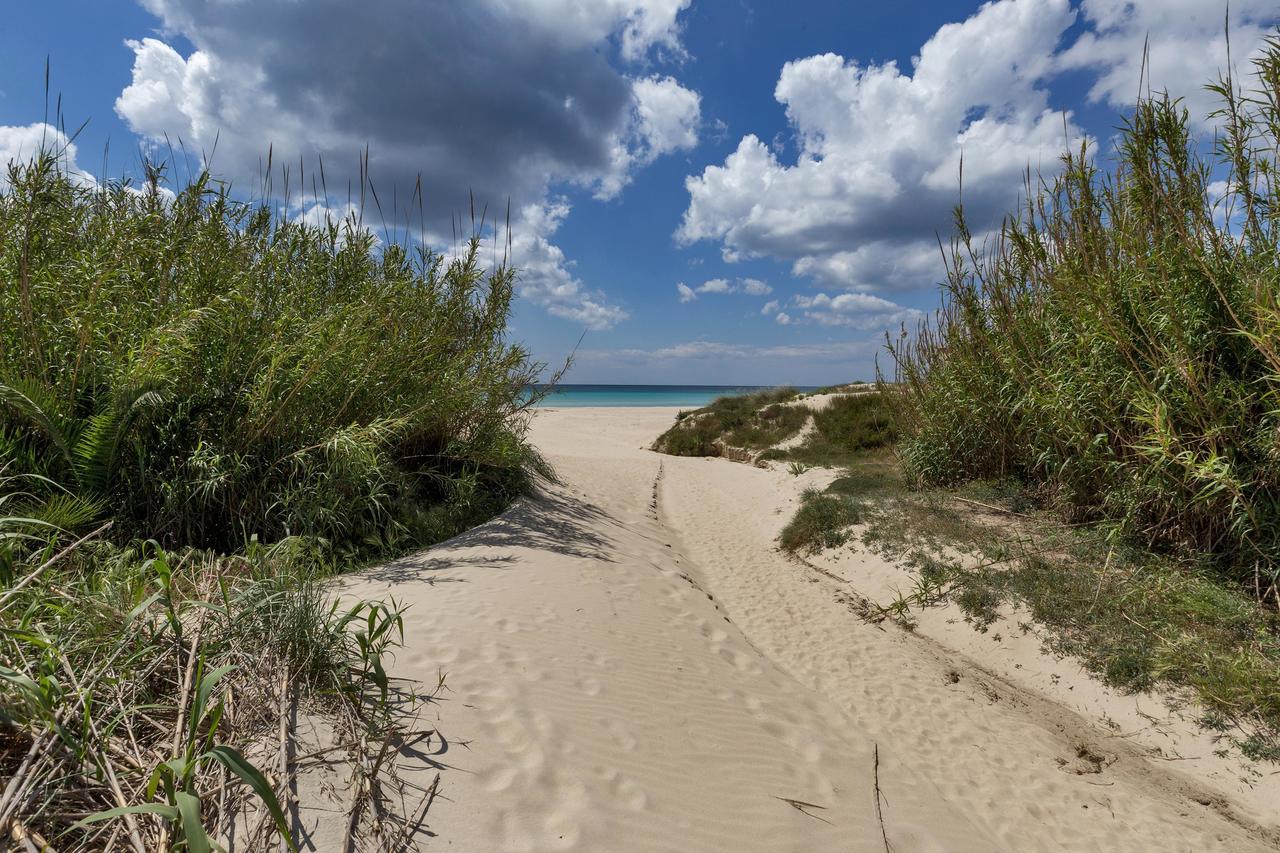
(20, 681)
(165, 810)
(192, 827)
(205, 688)
(239, 765)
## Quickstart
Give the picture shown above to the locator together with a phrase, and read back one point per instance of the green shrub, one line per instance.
(821, 522)
(856, 422)
(263, 402)
(1118, 347)
(751, 420)
(207, 371)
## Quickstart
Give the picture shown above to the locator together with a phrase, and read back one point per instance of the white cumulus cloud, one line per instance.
(720, 286)
(856, 310)
(879, 146)
(500, 100)
(1185, 41)
(19, 144)
(878, 164)
(546, 276)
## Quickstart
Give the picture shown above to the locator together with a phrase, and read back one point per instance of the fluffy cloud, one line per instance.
(749, 286)
(664, 118)
(640, 24)
(20, 144)
(782, 318)
(770, 307)
(879, 155)
(546, 277)
(500, 99)
(879, 148)
(1186, 43)
(856, 310)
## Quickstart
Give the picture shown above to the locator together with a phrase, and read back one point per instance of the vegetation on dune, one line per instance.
(823, 521)
(853, 433)
(1117, 348)
(1112, 361)
(843, 430)
(203, 372)
(205, 409)
(1136, 619)
(1089, 429)
(750, 421)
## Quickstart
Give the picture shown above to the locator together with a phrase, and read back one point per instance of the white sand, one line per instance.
(633, 666)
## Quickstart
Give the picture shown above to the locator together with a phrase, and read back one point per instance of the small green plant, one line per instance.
(823, 521)
(795, 469)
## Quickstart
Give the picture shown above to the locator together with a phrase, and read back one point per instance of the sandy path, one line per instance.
(632, 667)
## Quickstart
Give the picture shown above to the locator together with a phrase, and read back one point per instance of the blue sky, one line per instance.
(790, 164)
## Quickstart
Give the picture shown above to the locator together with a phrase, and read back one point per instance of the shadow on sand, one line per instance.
(549, 521)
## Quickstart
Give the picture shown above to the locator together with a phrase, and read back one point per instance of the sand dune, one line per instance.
(632, 666)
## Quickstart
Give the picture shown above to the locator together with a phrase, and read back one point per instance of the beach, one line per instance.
(630, 664)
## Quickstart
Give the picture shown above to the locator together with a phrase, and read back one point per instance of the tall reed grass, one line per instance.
(205, 409)
(205, 372)
(1117, 346)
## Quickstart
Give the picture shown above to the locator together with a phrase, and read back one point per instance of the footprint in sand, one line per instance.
(590, 686)
(629, 794)
(621, 735)
(741, 662)
(714, 635)
(498, 779)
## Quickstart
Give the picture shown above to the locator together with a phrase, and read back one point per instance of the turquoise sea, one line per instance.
(683, 396)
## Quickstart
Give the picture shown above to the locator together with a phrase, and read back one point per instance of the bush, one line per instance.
(751, 420)
(857, 422)
(821, 522)
(203, 371)
(1118, 346)
(264, 402)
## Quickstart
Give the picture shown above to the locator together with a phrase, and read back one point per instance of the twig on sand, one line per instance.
(12, 592)
(991, 507)
(801, 805)
(875, 751)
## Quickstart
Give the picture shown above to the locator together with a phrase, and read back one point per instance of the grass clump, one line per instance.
(205, 410)
(1136, 619)
(844, 431)
(822, 521)
(749, 421)
(202, 371)
(1117, 347)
